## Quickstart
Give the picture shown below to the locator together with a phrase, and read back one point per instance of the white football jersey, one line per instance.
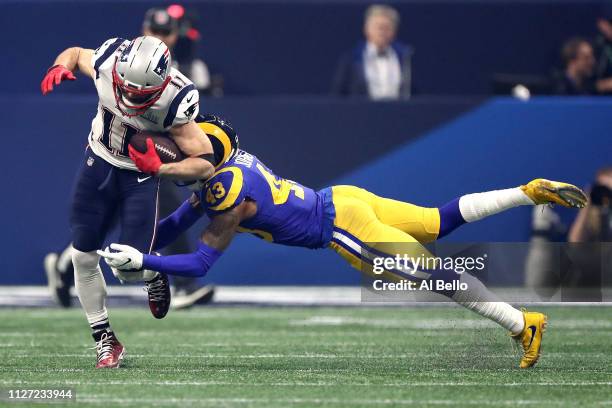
(111, 131)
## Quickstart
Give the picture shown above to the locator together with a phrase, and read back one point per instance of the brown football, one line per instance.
(167, 150)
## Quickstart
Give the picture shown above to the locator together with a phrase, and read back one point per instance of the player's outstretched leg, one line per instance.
(91, 216)
(360, 235)
(91, 288)
(428, 224)
(527, 328)
(474, 207)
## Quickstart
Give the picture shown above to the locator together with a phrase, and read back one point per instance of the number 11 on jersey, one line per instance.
(116, 134)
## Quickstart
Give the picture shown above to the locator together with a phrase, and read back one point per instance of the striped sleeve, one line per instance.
(104, 52)
(183, 108)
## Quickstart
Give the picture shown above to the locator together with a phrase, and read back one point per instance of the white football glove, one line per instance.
(125, 259)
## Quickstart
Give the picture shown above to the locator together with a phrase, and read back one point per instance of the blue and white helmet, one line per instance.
(140, 75)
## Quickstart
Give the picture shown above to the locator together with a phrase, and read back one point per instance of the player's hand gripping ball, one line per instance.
(147, 162)
(150, 150)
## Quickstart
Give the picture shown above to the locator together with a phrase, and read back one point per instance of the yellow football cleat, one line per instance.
(543, 191)
(531, 337)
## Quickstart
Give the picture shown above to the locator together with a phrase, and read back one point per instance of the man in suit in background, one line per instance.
(579, 65)
(380, 66)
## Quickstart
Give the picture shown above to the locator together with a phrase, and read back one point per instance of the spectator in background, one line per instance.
(579, 64)
(575, 269)
(378, 67)
(175, 28)
(603, 45)
(594, 222)
(578, 76)
(591, 234)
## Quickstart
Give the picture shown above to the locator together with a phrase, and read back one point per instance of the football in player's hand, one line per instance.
(166, 149)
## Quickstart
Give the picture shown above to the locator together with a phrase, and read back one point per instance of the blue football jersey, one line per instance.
(287, 212)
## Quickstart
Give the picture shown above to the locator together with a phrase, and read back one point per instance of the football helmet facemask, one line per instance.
(140, 75)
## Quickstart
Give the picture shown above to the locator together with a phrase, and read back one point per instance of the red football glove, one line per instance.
(55, 75)
(147, 162)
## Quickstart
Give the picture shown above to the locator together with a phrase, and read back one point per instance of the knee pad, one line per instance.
(85, 261)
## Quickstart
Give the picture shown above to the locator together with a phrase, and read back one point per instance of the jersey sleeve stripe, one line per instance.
(234, 190)
(175, 104)
(107, 53)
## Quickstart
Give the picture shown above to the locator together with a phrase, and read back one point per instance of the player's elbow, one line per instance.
(74, 50)
(83, 57)
(205, 169)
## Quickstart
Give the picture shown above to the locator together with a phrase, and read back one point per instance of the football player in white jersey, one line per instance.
(138, 91)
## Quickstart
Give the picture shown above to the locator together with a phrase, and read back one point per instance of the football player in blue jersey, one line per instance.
(246, 196)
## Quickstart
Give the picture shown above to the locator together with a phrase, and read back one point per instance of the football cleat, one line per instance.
(159, 295)
(59, 282)
(542, 191)
(531, 338)
(186, 298)
(110, 351)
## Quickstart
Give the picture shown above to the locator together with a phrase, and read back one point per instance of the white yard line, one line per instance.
(320, 383)
(309, 355)
(105, 400)
(281, 295)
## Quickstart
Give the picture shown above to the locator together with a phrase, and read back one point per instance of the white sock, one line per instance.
(90, 285)
(481, 300)
(477, 206)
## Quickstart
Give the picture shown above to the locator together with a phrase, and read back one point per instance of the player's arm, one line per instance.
(226, 203)
(77, 58)
(66, 62)
(215, 239)
(192, 141)
(178, 222)
(190, 138)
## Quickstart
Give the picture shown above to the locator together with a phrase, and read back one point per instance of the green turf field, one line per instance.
(310, 357)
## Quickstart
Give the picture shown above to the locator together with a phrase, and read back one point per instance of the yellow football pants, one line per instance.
(363, 219)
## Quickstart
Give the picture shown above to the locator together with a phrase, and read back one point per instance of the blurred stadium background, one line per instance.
(277, 61)
(272, 65)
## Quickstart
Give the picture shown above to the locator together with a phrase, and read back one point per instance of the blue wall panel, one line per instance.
(499, 144)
